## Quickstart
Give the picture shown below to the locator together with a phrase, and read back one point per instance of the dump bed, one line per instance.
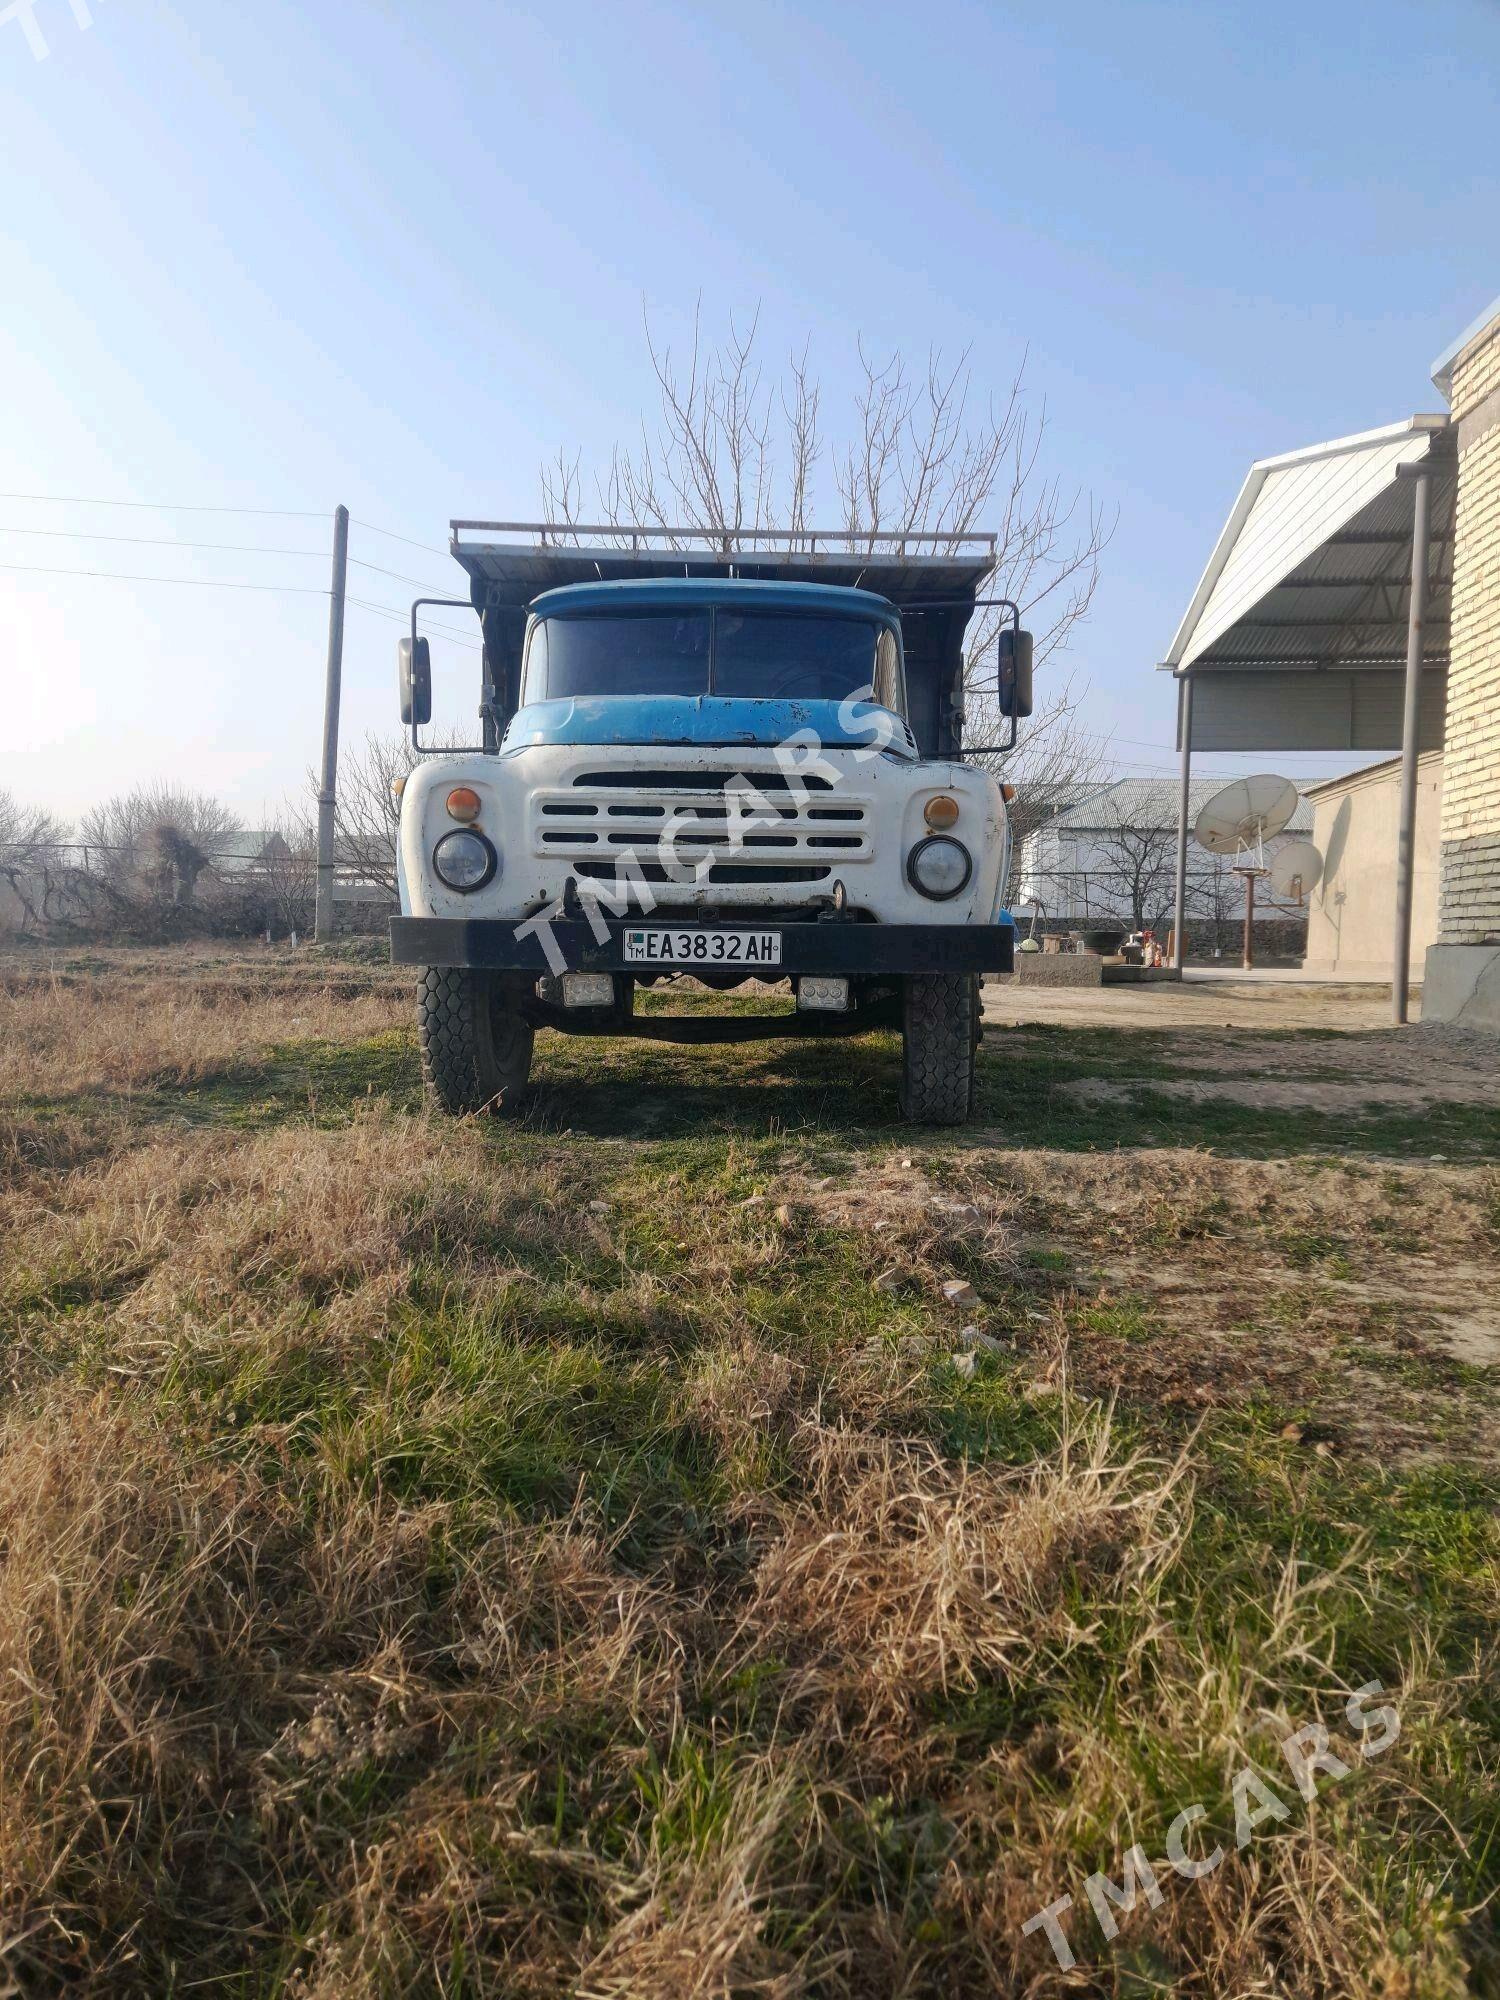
(933, 579)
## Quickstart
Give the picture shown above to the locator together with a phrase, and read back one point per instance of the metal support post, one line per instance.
(1185, 734)
(1406, 846)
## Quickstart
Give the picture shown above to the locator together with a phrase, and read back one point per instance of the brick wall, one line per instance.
(1469, 885)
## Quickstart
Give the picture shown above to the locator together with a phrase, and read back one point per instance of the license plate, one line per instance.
(702, 947)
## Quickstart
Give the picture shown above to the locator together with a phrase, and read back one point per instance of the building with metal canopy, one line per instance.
(1322, 620)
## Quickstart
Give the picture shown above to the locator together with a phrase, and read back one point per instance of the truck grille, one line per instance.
(786, 835)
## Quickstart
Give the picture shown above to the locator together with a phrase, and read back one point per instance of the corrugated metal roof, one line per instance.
(1151, 802)
(1313, 568)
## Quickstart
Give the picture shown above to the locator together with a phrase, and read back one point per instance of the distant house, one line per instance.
(247, 851)
(256, 852)
(1112, 858)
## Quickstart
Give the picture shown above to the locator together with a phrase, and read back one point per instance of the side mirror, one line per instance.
(1015, 672)
(414, 678)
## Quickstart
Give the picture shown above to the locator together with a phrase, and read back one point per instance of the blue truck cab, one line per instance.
(738, 766)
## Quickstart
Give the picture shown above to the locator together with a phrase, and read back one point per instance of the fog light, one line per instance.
(463, 804)
(939, 868)
(464, 860)
(941, 812)
(588, 989)
(823, 996)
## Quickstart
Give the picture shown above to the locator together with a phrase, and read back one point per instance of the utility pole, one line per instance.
(329, 775)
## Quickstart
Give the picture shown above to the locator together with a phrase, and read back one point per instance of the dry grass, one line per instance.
(897, 1576)
(414, 1580)
(202, 1667)
(73, 1035)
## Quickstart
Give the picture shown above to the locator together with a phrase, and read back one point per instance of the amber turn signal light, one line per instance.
(941, 812)
(463, 804)
(1007, 792)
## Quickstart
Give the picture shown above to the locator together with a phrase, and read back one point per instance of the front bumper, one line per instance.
(491, 945)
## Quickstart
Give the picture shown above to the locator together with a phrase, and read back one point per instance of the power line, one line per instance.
(184, 507)
(227, 548)
(391, 535)
(404, 618)
(216, 583)
(164, 542)
(399, 575)
(168, 506)
(401, 618)
(196, 582)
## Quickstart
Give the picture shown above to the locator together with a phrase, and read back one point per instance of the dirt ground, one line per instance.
(1202, 1003)
(1274, 1044)
(1358, 1289)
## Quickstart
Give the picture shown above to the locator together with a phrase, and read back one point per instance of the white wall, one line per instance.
(1352, 919)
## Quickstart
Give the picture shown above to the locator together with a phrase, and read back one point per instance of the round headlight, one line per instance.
(464, 860)
(939, 867)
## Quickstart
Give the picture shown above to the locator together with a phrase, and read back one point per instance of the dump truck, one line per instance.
(734, 759)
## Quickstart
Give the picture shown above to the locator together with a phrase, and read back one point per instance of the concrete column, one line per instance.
(328, 773)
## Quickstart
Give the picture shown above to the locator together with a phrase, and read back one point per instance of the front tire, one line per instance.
(476, 1052)
(940, 1033)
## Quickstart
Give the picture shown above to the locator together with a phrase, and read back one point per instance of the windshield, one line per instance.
(772, 656)
(759, 655)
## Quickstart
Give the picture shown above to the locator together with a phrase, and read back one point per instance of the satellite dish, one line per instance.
(1296, 870)
(1246, 814)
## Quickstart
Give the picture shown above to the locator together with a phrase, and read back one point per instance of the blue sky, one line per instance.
(394, 256)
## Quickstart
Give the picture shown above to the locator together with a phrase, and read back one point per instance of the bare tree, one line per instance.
(1215, 891)
(731, 452)
(368, 812)
(1139, 867)
(28, 832)
(734, 453)
(127, 826)
(30, 838)
(286, 873)
(155, 843)
(144, 855)
(1056, 762)
(918, 463)
(712, 464)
